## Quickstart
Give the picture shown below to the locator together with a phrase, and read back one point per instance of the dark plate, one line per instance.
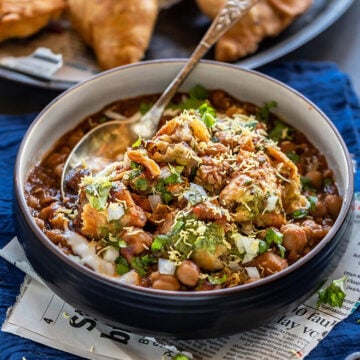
(177, 32)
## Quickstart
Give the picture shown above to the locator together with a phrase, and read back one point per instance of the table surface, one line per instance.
(340, 44)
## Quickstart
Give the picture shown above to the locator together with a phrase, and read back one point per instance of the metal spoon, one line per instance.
(93, 142)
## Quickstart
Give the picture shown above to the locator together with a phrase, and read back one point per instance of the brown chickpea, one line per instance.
(320, 210)
(188, 273)
(294, 240)
(333, 203)
(164, 282)
(315, 177)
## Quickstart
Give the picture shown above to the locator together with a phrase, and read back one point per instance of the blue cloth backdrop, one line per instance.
(322, 83)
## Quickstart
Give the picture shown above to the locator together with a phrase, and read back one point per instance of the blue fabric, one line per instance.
(322, 83)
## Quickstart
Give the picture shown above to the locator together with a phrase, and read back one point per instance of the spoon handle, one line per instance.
(232, 11)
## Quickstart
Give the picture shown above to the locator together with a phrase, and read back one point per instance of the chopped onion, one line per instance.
(271, 202)
(196, 194)
(129, 278)
(154, 201)
(166, 266)
(246, 244)
(164, 172)
(115, 211)
(110, 254)
(253, 272)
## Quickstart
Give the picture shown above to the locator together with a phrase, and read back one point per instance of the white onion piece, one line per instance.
(164, 172)
(130, 278)
(115, 211)
(81, 247)
(271, 202)
(111, 254)
(253, 272)
(166, 266)
(154, 201)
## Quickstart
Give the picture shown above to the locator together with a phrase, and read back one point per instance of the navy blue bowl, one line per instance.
(192, 315)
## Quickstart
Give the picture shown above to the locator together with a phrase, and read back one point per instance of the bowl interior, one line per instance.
(152, 77)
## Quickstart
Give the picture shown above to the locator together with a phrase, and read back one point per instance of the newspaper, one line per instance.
(292, 336)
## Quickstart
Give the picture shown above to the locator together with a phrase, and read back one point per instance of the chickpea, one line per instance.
(295, 240)
(188, 273)
(164, 281)
(269, 263)
(316, 178)
(320, 209)
(333, 203)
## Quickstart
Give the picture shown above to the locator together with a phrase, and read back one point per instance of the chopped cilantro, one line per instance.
(121, 265)
(334, 294)
(276, 237)
(312, 202)
(273, 235)
(208, 114)
(148, 260)
(198, 92)
(197, 95)
(215, 280)
(97, 193)
(263, 246)
(159, 242)
(166, 197)
(175, 177)
(299, 214)
(280, 131)
(137, 143)
(141, 184)
(263, 113)
(177, 227)
(282, 250)
(139, 267)
(306, 183)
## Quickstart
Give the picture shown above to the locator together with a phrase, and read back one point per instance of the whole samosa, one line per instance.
(119, 31)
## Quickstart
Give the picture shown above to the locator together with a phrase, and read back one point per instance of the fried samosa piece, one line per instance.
(119, 31)
(22, 18)
(267, 18)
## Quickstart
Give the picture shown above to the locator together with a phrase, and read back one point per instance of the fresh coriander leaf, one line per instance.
(263, 113)
(159, 242)
(166, 197)
(198, 92)
(121, 265)
(208, 114)
(148, 260)
(177, 226)
(282, 250)
(137, 143)
(312, 202)
(263, 246)
(280, 131)
(306, 183)
(273, 235)
(97, 194)
(334, 294)
(299, 214)
(138, 266)
(215, 280)
(141, 184)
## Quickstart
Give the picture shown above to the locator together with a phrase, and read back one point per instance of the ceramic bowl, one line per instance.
(181, 314)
